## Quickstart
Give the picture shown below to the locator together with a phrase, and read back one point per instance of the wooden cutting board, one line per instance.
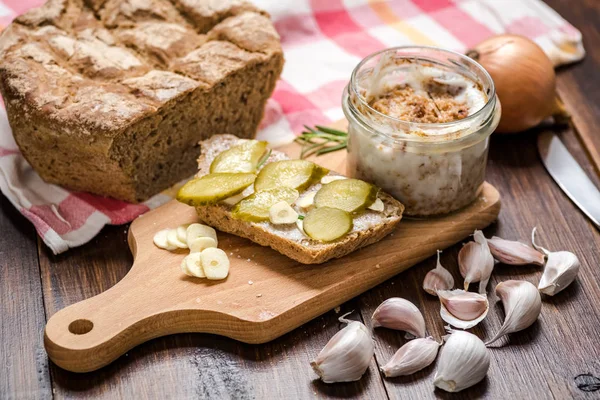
(265, 296)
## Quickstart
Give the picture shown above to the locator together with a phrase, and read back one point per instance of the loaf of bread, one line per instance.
(369, 226)
(112, 96)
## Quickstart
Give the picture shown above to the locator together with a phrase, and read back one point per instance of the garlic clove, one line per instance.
(514, 253)
(560, 271)
(476, 262)
(412, 357)
(438, 278)
(464, 361)
(463, 309)
(400, 314)
(522, 305)
(347, 355)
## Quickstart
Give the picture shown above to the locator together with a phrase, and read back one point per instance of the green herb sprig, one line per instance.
(321, 140)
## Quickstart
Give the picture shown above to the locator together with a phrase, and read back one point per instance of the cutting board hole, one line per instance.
(80, 326)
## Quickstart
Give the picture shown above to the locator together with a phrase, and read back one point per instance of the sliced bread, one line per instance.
(369, 227)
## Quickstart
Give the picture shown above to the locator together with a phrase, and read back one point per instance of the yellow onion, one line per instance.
(524, 78)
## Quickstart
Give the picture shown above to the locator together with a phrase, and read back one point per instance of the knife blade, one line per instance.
(569, 175)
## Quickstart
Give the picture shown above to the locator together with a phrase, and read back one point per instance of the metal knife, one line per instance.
(569, 175)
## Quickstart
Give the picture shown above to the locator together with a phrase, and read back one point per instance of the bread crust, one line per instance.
(305, 251)
(112, 96)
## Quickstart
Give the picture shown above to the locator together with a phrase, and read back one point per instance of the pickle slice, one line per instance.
(327, 224)
(242, 158)
(295, 174)
(255, 208)
(212, 188)
(350, 195)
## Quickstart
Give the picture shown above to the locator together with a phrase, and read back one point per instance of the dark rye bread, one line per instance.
(370, 226)
(112, 96)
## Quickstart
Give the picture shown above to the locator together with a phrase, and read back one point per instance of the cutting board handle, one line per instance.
(92, 333)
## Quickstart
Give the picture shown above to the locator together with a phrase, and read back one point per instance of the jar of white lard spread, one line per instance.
(419, 125)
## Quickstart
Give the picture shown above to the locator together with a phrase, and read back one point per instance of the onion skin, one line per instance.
(524, 78)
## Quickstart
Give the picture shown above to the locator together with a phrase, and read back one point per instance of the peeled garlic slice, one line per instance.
(412, 357)
(195, 231)
(233, 200)
(464, 361)
(215, 263)
(192, 265)
(522, 305)
(377, 205)
(282, 213)
(300, 225)
(347, 355)
(174, 240)
(400, 314)
(160, 240)
(462, 309)
(182, 233)
(201, 243)
(306, 200)
(476, 262)
(438, 278)
(330, 178)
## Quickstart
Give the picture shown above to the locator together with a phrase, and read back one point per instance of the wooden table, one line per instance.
(545, 361)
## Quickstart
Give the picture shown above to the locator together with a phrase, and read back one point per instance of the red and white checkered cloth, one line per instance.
(323, 40)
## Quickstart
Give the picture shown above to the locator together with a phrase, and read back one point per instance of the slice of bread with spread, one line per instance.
(112, 96)
(368, 226)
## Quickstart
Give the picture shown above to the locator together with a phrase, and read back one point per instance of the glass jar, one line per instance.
(432, 168)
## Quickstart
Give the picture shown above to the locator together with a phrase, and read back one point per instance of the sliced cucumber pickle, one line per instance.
(295, 174)
(350, 195)
(212, 188)
(327, 224)
(242, 158)
(255, 208)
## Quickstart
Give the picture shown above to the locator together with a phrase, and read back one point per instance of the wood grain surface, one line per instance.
(579, 86)
(557, 358)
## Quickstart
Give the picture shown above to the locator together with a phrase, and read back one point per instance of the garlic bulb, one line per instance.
(463, 363)
(347, 355)
(438, 278)
(400, 314)
(560, 271)
(514, 253)
(522, 305)
(412, 357)
(476, 262)
(462, 309)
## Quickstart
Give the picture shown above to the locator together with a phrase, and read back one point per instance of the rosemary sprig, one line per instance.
(321, 140)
